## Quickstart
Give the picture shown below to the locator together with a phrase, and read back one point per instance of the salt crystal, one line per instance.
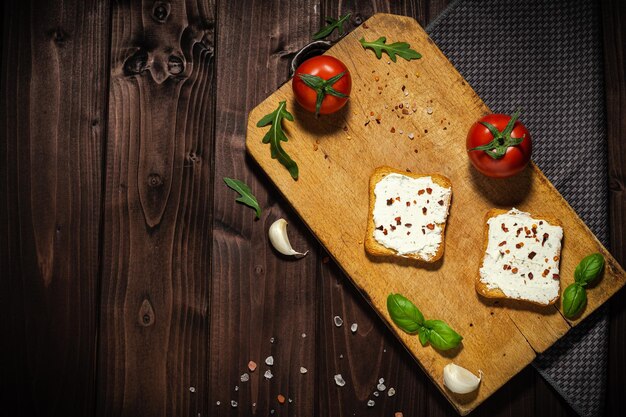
(192, 389)
(217, 402)
(339, 380)
(268, 374)
(303, 335)
(381, 387)
(400, 131)
(391, 392)
(370, 403)
(290, 400)
(354, 327)
(376, 393)
(236, 388)
(245, 377)
(341, 356)
(406, 93)
(429, 110)
(411, 135)
(338, 321)
(253, 404)
(272, 340)
(252, 366)
(272, 411)
(233, 403)
(303, 370)
(269, 360)
(381, 380)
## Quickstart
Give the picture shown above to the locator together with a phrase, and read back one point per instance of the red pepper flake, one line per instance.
(507, 251)
(281, 398)
(398, 220)
(556, 277)
(398, 198)
(376, 78)
(389, 201)
(385, 232)
(429, 190)
(530, 275)
(519, 245)
(545, 237)
(540, 222)
(393, 130)
(505, 267)
(504, 228)
(251, 366)
(420, 192)
(405, 111)
(423, 231)
(425, 130)
(532, 254)
(403, 88)
(408, 204)
(408, 233)
(424, 210)
(430, 226)
(392, 227)
(502, 243)
(514, 270)
(371, 113)
(345, 128)
(408, 224)
(519, 230)
(414, 202)
(545, 273)
(400, 105)
(440, 202)
(556, 259)
(380, 227)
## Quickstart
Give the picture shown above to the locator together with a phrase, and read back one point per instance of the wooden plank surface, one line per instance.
(45, 371)
(53, 113)
(613, 17)
(157, 230)
(319, 201)
(258, 296)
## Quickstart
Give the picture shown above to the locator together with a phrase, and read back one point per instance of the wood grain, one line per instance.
(257, 295)
(613, 15)
(336, 160)
(53, 112)
(157, 214)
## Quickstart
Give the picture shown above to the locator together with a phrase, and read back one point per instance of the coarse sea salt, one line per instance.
(338, 321)
(339, 380)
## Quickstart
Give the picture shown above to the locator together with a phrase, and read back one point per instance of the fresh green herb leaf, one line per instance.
(574, 299)
(276, 135)
(402, 49)
(588, 269)
(404, 313)
(441, 336)
(424, 334)
(246, 196)
(332, 25)
(322, 87)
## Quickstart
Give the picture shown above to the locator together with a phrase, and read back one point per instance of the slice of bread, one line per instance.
(520, 262)
(420, 199)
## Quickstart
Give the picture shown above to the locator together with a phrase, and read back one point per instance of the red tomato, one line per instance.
(312, 88)
(503, 154)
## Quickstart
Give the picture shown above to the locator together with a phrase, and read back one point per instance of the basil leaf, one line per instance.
(404, 313)
(574, 299)
(441, 336)
(589, 268)
(424, 334)
(246, 196)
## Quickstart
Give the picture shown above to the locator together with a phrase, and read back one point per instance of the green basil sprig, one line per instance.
(575, 295)
(408, 317)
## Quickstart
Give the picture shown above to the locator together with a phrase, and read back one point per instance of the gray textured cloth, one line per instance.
(546, 56)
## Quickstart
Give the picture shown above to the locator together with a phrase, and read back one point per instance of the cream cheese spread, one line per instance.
(522, 257)
(409, 214)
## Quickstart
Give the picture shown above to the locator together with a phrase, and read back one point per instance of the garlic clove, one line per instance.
(280, 240)
(459, 380)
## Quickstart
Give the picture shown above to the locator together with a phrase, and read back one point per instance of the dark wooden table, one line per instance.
(132, 285)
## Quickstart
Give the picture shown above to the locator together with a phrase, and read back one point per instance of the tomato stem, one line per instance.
(501, 140)
(322, 87)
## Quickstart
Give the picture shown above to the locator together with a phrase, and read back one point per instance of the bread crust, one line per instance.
(481, 287)
(372, 246)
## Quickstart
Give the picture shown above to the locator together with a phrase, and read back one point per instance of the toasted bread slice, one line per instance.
(420, 198)
(521, 263)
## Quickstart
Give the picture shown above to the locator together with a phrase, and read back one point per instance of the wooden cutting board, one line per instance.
(336, 155)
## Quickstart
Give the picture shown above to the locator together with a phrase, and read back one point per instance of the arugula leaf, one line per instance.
(404, 313)
(401, 49)
(441, 336)
(574, 299)
(276, 135)
(332, 25)
(246, 196)
(589, 268)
